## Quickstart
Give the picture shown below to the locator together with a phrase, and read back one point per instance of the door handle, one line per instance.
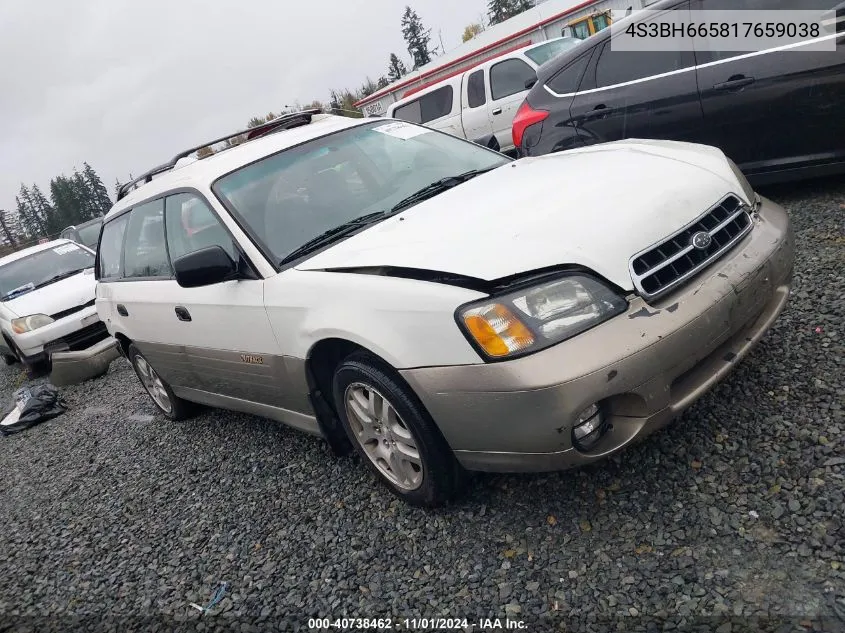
(497, 111)
(602, 111)
(182, 314)
(735, 83)
(121, 310)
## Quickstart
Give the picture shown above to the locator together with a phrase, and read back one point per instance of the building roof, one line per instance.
(492, 37)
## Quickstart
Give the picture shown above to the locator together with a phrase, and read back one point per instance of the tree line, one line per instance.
(420, 50)
(72, 200)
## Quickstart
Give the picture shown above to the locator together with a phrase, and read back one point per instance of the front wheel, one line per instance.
(159, 391)
(394, 434)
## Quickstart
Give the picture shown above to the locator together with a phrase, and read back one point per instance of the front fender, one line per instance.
(407, 322)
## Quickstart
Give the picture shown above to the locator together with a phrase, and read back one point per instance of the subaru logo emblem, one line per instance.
(701, 240)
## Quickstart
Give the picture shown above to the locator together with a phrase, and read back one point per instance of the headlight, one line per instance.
(530, 319)
(747, 189)
(29, 323)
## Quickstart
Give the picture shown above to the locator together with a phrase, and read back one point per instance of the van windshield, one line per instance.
(42, 269)
(544, 52)
(292, 197)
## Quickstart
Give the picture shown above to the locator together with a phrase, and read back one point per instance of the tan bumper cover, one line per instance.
(645, 366)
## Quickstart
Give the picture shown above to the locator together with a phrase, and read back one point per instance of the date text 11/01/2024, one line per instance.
(416, 624)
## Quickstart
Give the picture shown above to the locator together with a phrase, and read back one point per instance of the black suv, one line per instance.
(778, 114)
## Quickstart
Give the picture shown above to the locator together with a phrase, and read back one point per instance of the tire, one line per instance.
(9, 360)
(172, 406)
(432, 475)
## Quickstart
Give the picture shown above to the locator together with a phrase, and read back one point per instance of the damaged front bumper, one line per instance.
(642, 368)
(74, 367)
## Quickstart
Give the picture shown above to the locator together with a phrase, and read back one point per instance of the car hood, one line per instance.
(594, 207)
(61, 295)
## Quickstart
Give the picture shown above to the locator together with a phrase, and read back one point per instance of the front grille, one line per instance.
(660, 268)
(86, 337)
(69, 311)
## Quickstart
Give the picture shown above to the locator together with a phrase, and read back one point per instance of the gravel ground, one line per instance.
(735, 510)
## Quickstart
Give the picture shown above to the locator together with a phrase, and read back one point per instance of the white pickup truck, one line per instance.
(481, 103)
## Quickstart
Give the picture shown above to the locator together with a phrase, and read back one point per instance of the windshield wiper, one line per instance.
(438, 186)
(332, 235)
(60, 276)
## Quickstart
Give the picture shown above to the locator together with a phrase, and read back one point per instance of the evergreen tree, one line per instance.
(29, 223)
(33, 223)
(383, 82)
(395, 69)
(99, 194)
(417, 37)
(44, 210)
(7, 226)
(367, 89)
(501, 10)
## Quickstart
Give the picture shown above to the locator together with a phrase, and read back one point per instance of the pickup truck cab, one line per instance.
(481, 103)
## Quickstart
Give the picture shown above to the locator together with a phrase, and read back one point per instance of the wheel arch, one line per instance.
(323, 358)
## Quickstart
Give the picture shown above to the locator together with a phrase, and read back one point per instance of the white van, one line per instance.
(481, 102)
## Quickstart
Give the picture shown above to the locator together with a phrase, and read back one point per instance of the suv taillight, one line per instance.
(526, 116)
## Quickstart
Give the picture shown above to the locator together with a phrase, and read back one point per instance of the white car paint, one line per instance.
(56, 297)
(495, 117)
(525, 215)
(527, 223)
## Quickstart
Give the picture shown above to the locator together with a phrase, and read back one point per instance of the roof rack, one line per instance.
(282, 122)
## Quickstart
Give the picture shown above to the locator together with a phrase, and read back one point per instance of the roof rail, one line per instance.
(282, 122)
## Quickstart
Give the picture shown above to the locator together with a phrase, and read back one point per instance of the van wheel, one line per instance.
(159, 391)
(394, 434)
(9, 360)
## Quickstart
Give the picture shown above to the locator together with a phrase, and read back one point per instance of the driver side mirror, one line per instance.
(207, 266)
(530, 83)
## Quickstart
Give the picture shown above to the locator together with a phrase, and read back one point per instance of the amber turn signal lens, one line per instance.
(497, 330)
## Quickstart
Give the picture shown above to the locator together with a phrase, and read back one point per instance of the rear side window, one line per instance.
(617, 67)
(568, 79)
(436, 104)
(192, 226)
(509, 77)
(111, 248)
(145, 252)
(475, 89)
(409, 112)
(427, 108)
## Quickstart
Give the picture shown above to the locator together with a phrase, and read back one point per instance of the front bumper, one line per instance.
(77, 331)
(74, 367)
(644, 367)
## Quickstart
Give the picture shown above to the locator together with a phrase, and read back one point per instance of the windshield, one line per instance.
(88, 235)
(544, 52)
(42, 268)
(292, 197)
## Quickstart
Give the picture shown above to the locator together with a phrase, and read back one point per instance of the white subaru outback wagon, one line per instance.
(436, 304)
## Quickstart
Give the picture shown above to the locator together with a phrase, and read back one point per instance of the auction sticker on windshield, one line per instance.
(400, 130)
(64, 249)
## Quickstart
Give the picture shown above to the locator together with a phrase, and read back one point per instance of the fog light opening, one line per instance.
(589, 428)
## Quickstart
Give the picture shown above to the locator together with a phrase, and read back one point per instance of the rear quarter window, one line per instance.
(434, 105)
(111, 248)
(569, 78)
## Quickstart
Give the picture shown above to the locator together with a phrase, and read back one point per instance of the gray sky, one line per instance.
(125, 85)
